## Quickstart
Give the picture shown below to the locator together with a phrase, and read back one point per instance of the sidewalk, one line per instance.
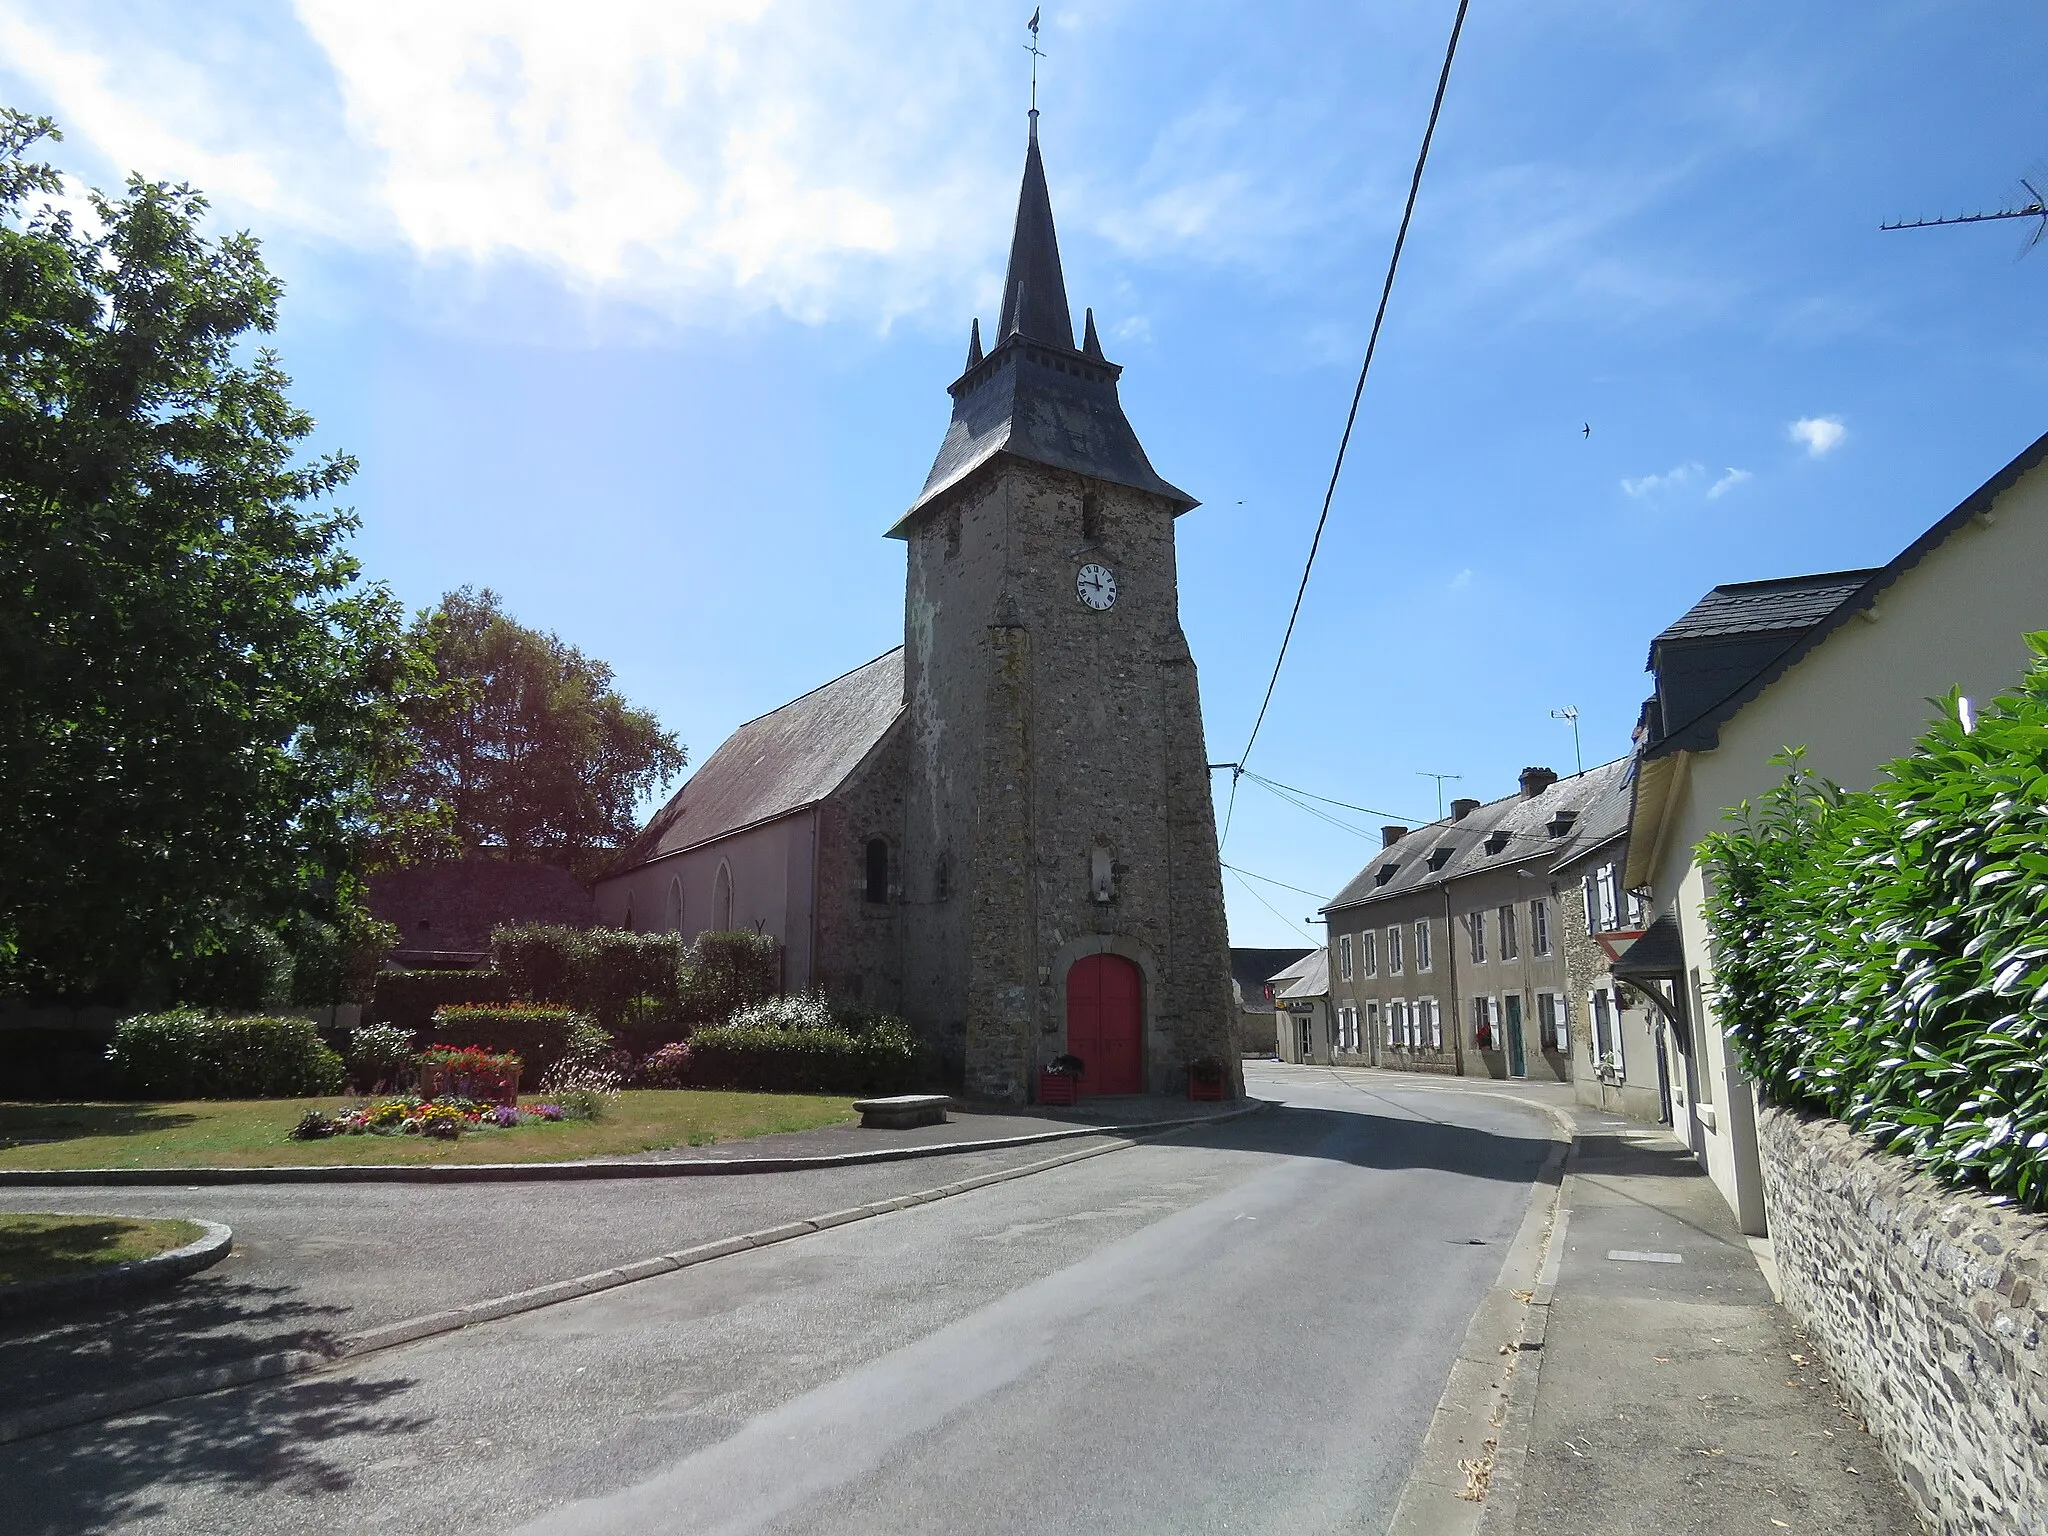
(1670, 1392)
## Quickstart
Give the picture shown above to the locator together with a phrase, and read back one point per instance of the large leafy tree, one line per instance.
(524, 746)
(197, 690)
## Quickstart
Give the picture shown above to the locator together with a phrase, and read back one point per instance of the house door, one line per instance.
(1305, 1033)
(1511, 1010)
(1106, 1024)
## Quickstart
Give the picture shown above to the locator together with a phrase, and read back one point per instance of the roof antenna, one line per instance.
(1036, 53)
(1439, 777)
(1571, 712)
(2034, 207)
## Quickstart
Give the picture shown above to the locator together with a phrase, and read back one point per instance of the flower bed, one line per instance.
(469, 1072)
(411, 1115)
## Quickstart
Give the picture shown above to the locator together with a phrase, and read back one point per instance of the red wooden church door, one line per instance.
(1105, 1024)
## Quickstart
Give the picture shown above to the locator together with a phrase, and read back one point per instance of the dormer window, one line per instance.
(1439, 857)
(1497, 842)
(1384, 873)
(1561, 823)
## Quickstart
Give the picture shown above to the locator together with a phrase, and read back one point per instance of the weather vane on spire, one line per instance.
(1036, 53)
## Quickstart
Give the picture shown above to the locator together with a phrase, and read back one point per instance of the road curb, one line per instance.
(1481, 1422)
(25, 1298)
(542, 1173)
(91, 1408)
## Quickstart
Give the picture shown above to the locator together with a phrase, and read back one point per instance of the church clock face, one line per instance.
(1096, 586)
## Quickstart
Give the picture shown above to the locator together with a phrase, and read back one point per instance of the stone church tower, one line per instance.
(1060, 885)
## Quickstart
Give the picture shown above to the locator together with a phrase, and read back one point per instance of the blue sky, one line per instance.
(642, 314)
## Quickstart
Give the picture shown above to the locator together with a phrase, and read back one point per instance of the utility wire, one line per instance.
(1372, 343)
(1261, 900)
(1363, 810)
(1313, 896)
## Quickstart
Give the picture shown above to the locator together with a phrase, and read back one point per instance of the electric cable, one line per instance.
(1372, 344)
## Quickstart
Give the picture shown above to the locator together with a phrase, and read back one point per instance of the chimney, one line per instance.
(1460, 809)
(1391, 835)
(1535, 781)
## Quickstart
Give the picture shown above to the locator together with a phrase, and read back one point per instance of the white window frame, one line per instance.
(1604, 1017)
(1539, 926)
(1369, 953)
(1394, 957)
(1425, 946)
(1344, 956)
(1475, 933)
(1510, 939)
(1433, 1018)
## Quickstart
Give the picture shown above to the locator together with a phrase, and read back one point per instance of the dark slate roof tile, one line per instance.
(1525, 820)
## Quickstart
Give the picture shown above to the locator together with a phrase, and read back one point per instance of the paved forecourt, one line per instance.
(1243, 1327)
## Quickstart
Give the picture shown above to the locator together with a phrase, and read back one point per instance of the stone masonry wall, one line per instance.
(1927, 1301)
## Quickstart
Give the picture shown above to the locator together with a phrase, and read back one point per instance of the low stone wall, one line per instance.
(1927, 1302)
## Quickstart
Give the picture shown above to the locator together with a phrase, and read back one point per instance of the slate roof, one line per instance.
(1592, 796)
(1696, 726)
(1034, 396)
(786, 760)
(1789, 603)
(1251, 969)
(1704, 660)
(1310, 977)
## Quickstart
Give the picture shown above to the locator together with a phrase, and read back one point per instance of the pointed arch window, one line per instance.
(675, 905)
(721, 899)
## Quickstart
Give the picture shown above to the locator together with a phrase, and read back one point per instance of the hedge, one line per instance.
(185, 1054)
(408, 998)
(638, 984)
(768, 1059)
(1883, 957)
(538, 1033)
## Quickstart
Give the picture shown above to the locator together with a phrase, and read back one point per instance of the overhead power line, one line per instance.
(1261, 900)
(1313, 896)
(1436, 108)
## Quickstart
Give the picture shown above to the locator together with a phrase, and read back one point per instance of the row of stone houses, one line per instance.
(1466, 946)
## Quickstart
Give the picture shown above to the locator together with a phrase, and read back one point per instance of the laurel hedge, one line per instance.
(1883, 957)
(188, 1054)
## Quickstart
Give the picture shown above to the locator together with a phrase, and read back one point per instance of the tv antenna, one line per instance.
(1036, 53)
(1571, 712)
(1439, 777)
(2036, 209)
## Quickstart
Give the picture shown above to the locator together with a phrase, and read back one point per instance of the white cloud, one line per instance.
(1729, 480)
(1649, 487)
(1462, 580)
(1819, 434)
(703, 159)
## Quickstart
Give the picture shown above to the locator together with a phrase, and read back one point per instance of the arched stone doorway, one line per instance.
(1106, 1023)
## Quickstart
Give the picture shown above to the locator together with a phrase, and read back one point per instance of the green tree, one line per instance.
(200, 691)
(524, 745)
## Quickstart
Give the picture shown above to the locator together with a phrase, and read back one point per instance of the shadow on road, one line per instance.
(107, 1476)
(203, 1321)
(1366, 1139)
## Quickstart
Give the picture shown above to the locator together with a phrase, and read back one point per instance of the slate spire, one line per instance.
(1034, 289)
(974, 353)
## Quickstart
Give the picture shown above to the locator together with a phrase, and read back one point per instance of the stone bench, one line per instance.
(904, 1110)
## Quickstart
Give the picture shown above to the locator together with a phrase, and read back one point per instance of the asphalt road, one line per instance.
(1241, 1329)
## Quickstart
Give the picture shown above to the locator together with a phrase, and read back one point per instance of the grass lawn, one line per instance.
(36, 1247)
(250, 1133)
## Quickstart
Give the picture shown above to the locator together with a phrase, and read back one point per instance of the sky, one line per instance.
(641, 314)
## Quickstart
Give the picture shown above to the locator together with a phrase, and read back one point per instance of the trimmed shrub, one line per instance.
(185, 1054)
(537, 1033)
(408, 998)
(725, 972)
(379, 1053)
(1883, 957)
(623, 980)
(537, 961)
(767, 1058)
(336, 962)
